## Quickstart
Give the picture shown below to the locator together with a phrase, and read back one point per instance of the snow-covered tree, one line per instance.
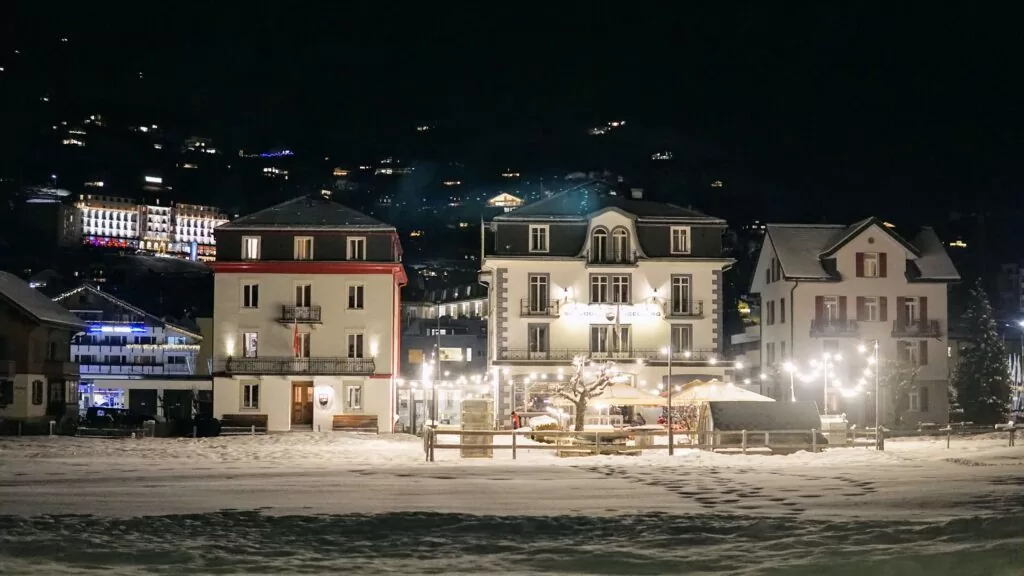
(579, 391)
(895, 381)
(981, 380)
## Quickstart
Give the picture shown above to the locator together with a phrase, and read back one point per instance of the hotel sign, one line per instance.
(608, 313)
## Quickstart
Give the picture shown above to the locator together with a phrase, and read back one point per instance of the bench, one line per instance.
(354, 423)
(243, 424)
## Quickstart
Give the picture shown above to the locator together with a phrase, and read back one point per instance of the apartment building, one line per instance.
(307, 317)
(830, 289)
(595, 272)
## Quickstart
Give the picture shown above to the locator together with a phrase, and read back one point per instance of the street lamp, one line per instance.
(873, 359)
(667, 351)
(827, 362)
(791, 368)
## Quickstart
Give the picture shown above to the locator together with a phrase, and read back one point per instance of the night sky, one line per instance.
(811, 110)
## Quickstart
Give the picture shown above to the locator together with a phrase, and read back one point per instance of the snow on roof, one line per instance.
(35, 304)
(133, 309)
(803, 248)
(311, 212)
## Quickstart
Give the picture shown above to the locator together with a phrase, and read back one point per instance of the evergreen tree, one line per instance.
(981, 381)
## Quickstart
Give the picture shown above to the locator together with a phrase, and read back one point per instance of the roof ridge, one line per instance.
(121, 302)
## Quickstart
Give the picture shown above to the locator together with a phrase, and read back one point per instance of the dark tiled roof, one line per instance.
(35, 304)
(591, 197)
(803, 250)
(312, 212)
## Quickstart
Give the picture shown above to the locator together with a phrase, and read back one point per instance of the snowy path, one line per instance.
(327, 503)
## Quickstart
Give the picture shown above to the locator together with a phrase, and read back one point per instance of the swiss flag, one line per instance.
(296, 343)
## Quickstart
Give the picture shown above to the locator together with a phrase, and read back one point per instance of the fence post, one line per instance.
(53, 424)
(949, 434)
(597, 443)
(744, 441)
(1011, 432)
(433, 439)
(814, 440)
(252, 430)
(514, 434)
(767, 442)
(19, 428)
(880, 438)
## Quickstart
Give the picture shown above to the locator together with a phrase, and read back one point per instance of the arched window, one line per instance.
(620, 245)
(599, 245)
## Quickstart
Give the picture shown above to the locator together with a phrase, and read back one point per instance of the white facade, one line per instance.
(344, 339)
(868, 295)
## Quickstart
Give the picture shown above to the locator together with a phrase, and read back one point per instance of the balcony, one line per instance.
(833, 328)
(323, 366)
(300, 315)
(684, 309)
(539, 309)
(916, 329)
(566, 355)
(609, 258)
(120, 368)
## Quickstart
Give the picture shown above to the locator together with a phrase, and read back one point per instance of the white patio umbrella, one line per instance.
(620, 395)
(714, 390)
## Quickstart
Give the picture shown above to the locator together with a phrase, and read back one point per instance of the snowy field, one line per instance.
(339, 503)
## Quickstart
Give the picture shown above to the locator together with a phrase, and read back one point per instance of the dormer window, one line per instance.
(538, 238)
(680, 240)
(250, 248)
(871, 265)
(620, 245)
(599, 245)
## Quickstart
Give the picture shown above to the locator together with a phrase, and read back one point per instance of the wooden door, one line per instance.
(302, 404)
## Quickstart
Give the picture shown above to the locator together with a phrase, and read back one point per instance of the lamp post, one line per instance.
(791, 368)
(873, 359)
(671, 437)
(826, 364)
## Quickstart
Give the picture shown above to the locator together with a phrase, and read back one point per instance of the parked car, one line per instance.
(101, 417)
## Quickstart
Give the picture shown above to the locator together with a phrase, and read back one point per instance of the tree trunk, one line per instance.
(581, 411)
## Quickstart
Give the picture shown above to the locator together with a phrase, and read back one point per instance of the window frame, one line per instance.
(872, 303)
(252, 295)
(300, 241)
(685, 231)
(875, 260)
(356, 340)
(246, 253)
(356, 297)
(545, 340)
(681, 306)
(351, 245)
(245, 344)
(358, 404)
(677, 329)
(539, 282)
(37, 392)
(305, 289)
(600, 280)
(543, 233)
(253, 401)
(305, 346)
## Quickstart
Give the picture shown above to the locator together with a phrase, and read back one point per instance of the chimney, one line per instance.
(636, 193)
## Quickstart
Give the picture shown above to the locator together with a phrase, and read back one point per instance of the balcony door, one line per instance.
(303, 296)
(911, 311)
(302, 404)
(680, 295)
(831, 310)
(538, 294)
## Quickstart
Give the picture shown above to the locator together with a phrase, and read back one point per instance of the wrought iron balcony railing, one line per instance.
(300, 314)
(685, 309)
(610, 258)
(631, 354)
(824, 327)
(916, 328)
(545, 308)
(284, 365)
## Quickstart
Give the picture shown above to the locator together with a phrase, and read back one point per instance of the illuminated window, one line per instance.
(680, 240)
(250, 248)
(303, 247)
(357, 248)
(251, 395)
(538, 238)
(355, 345)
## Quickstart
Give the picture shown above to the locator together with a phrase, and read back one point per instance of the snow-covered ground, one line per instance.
(332, 503)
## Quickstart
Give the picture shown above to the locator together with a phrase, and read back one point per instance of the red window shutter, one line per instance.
(819, 308)
(842, 308)
(861, 313)
(922, 354)
(924, 309)
(883, 309)
(860, 264)
(882, 265)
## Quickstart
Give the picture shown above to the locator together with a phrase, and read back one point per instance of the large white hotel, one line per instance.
(611, 276)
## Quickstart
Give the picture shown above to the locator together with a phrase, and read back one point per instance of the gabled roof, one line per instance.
(313, 212)
(805, 250)
(584, 200)
(30, 301)
(122, 304)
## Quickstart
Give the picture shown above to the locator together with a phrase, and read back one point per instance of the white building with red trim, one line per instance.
(307, 318)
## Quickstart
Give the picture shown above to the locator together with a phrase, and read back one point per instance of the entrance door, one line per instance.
(302, 403)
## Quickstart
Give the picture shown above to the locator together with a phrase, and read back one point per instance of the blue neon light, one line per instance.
(277, 154)
(116, 329)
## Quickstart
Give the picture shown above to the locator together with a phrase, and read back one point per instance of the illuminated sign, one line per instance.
(608, 313)
(115, 329)
(451, 355)
(154, 180)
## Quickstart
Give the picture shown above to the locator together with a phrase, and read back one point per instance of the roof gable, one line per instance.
(857, 228)
(311, 212)
(35, 305)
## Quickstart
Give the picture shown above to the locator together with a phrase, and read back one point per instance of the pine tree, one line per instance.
(981, 381)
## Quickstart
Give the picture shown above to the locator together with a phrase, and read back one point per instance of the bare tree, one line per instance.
(579, 392)
(896, 380)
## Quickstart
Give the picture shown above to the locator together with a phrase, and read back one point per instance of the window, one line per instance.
(681, 304)
(56, 391)
(870, 266)
(910, 352)
(911, 310)
(771, 312)
(302, 350)
(355, 297)
(353, 397)
(620, 289)
(37, 392)
(538, 337)
(303, 247)
(871, 309)
(770, 352)
(538, 293)
(599, 246)
(620, 245)
(680, 240)
(538, 238)
(357, 248)
(682, 338)
(782, 349)
(250, 344)
(831, 309)
(782, 310)
(250, 247)
(303, 295)
(355, 345)
(250, 295)
(250, 395)
(599, 290)
(607, 338)
(6, 393)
